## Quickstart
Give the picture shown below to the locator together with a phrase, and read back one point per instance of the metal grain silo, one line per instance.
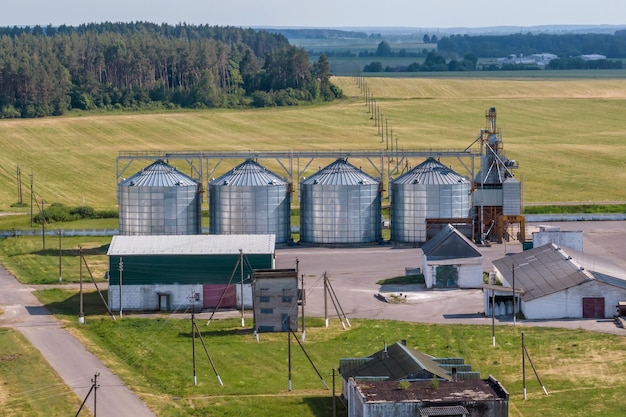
(340, 204)
(159, 200)
(429, 191)
(249, 199)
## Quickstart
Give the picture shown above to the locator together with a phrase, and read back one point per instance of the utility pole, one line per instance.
(19, 186)
(121, 272)
(94, 388)
(243, 324)
(325, 299)
(193, 339)
(95, 392)
(493, 317)
(514, 297)
(289, 386)
(60, 259)
(31, 200)
(81, 313)
(303, 302)
(43, 225)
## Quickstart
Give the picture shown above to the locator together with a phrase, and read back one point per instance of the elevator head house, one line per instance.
(174, 272)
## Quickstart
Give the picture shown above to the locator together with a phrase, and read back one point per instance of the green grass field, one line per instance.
(583, 371)
(25, 258)
(566, 134)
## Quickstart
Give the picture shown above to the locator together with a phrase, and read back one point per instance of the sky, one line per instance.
(318, 13)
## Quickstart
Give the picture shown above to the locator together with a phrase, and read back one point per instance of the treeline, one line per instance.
(48, 71)
(565, 45)
(432, 62)
(312, 33)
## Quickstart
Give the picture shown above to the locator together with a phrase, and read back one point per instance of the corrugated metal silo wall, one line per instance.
(159, 210)
(412, 204)
(511, 197)
(340, 214)
(250, 210)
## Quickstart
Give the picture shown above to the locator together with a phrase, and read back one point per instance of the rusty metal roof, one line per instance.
(397, 362)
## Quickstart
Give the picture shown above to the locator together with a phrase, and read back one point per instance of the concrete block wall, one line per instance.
(146, 297)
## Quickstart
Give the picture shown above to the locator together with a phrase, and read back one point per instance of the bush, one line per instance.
(83, 212)
(58, 212)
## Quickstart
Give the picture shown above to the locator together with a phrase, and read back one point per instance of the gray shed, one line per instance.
(450, 259)
(555, 284)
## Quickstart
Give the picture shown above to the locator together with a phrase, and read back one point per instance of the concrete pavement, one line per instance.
(353, 273)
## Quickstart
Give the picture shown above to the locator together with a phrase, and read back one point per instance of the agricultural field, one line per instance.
(153, 356)
(567, 135)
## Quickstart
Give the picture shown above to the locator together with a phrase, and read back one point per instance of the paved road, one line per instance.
(71, 360)
(353, 273)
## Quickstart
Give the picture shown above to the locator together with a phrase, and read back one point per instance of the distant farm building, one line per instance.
(164, 272)
(541, 59)
(450, 260)
(554, 285)
(553, 234)
(398, 381)
(275, 293)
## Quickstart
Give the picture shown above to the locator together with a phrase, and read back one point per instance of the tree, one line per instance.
(375, 66)
(384, 49)
(426, 38)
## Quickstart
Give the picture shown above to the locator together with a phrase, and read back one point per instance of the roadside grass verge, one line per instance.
(25, 258)
(28, 385)
(154, 357)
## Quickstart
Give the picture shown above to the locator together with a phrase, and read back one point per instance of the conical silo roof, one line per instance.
(340, 172)
(249, 173)
(159, 174)
(431, 172)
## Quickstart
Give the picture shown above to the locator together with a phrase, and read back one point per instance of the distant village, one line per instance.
(541, 59)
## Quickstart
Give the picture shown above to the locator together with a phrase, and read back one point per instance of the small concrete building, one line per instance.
(164, 272)
(554, 285)
(398, 381)
(553, 234)
(275, 293)
(450, 260)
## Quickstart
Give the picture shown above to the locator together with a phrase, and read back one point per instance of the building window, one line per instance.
(267, 311)
(264, 299)
(287, 299)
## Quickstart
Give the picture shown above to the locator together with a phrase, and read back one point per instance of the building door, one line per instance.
(593, 307)
(212, 293)
(446, 276)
